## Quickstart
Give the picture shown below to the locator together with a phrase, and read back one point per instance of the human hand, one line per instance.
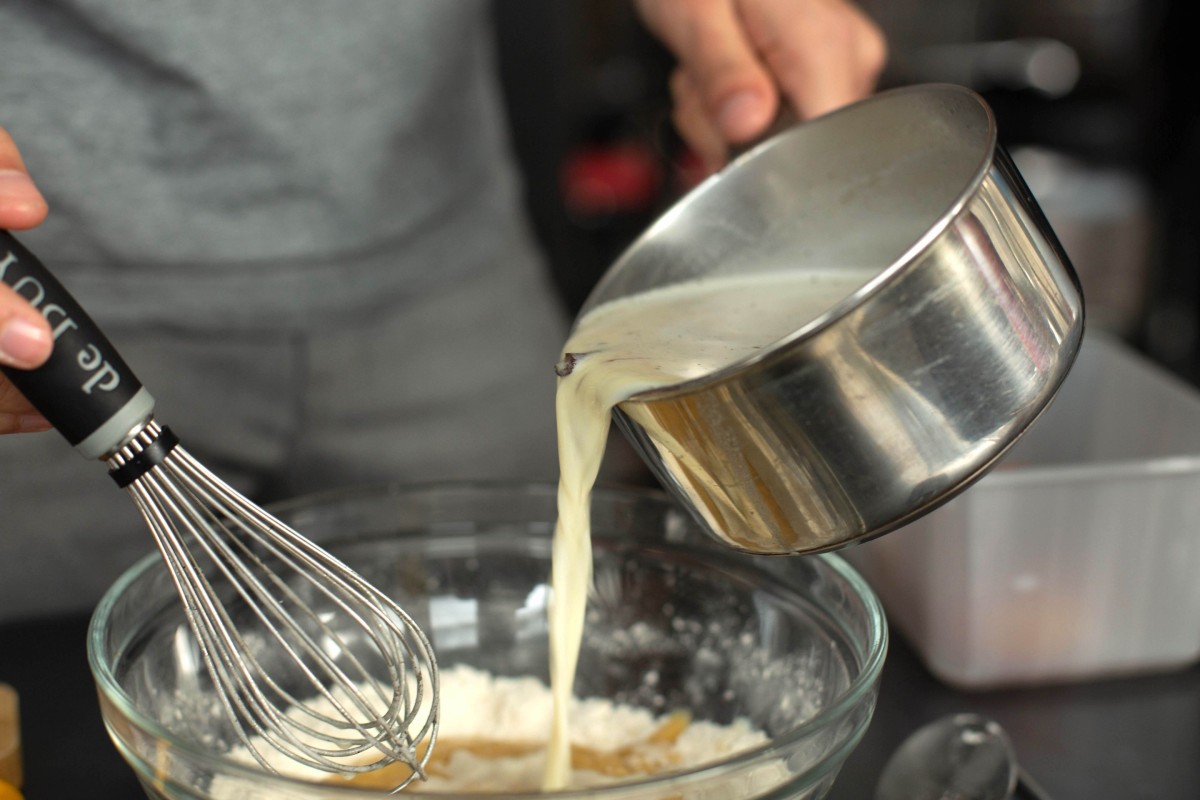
(25, 338)
(739, 60)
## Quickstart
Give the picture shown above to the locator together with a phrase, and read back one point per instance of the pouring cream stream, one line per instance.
(647, 341)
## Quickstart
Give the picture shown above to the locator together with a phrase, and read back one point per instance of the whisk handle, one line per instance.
(85, 389)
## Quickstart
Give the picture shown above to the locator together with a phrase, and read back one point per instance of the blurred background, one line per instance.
(1093, 98)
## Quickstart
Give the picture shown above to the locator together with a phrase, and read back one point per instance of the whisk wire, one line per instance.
(201, 609)
(191, 512)
(186, 575)
(243, 568)
(381, 641)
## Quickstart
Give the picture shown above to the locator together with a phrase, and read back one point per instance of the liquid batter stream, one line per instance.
(648, 341)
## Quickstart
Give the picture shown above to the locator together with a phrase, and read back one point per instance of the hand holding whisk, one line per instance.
(306, 656)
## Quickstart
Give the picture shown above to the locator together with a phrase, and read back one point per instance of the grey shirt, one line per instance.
(259, 162)
(299, 221)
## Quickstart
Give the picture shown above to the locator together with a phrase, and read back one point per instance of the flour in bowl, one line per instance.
(494, 734)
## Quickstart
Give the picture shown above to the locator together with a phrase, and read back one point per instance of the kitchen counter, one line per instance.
(1133, 738)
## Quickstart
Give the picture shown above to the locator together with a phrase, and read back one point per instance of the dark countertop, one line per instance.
(1134, 738)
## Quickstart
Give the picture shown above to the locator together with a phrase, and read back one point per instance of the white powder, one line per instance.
(479, 706)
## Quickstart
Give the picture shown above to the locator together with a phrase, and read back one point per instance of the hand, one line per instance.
(25, 339)
(740, 59)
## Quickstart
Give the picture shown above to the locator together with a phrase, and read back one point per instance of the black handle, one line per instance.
(86, 390)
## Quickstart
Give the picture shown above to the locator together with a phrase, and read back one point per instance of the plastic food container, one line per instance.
(1078, 557)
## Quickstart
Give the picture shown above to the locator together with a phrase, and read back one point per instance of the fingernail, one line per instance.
(23, 423)
(33, 423)
(23, 344)
(17, 191)
(742, 116)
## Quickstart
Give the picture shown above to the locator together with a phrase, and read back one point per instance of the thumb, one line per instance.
(709, 40)
(25, 337)
(21, 204)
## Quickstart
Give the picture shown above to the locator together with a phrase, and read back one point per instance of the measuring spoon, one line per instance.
(957, 757)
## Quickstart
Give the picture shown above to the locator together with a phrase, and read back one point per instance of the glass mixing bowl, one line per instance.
(794, 645)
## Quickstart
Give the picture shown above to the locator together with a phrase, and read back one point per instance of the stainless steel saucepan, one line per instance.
(910, 389)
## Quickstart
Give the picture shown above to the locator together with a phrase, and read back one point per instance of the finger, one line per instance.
(694, 124)
(31, 422)
(733, 87)
(25, 337)
(836, 59)
(21, 204)
(16, 414)
(823, 53)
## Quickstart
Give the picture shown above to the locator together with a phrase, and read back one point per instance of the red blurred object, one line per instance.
(600, 180)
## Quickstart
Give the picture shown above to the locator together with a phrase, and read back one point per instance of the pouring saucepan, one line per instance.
(967, 320)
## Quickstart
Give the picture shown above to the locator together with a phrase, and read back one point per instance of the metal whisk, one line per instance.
(306, 657)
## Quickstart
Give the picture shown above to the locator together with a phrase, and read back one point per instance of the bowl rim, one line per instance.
(874, 653)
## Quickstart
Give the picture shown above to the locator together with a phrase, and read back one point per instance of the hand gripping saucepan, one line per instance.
(307, 657)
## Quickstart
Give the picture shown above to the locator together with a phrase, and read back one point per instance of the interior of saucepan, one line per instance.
(863, 188)
(674, 622)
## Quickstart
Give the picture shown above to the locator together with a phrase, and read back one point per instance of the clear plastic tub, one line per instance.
(1078, 556)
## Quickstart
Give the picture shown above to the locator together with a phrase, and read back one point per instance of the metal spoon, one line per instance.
(958, 757)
